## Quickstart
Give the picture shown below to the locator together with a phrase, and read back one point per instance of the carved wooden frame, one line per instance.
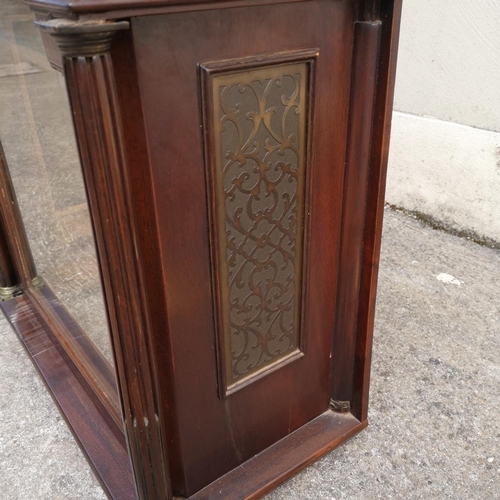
(85, 48)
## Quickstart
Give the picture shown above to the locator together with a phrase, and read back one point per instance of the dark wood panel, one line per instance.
(102, 443)
(168, 51)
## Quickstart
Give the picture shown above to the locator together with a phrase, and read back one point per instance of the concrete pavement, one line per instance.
(435, 395)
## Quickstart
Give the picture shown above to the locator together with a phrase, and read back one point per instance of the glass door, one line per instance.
(44, 174)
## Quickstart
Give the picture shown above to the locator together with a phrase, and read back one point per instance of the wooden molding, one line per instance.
(96, 114)
(264, 472)
(363, 84)
(373, 75)
(114, 9)
(390, 17)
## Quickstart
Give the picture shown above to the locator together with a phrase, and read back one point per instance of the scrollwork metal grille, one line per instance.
(259, 172)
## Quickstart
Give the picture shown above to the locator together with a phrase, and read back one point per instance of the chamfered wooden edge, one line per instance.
(97, 434)
(262, 473)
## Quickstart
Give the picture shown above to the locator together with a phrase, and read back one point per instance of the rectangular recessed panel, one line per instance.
(258, 177)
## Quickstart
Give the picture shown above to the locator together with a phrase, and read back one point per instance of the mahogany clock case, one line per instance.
(234, 156)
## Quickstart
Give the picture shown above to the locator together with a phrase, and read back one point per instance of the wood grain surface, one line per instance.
(138, 117)
(228, 432)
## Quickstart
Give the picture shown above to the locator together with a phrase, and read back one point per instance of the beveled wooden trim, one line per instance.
(279, 462)
(97, 119)
(363, 82)
(99, 437)
(390, 16)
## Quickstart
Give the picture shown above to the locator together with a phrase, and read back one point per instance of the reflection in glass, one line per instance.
(37, 134)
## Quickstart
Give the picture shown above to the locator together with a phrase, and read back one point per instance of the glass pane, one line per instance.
(37, 134)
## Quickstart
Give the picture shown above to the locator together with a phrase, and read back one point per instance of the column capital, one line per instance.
(82, 38)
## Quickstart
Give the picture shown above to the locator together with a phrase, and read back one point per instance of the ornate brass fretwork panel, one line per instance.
(258, 177)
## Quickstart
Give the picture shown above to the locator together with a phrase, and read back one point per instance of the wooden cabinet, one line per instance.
(234, 155)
